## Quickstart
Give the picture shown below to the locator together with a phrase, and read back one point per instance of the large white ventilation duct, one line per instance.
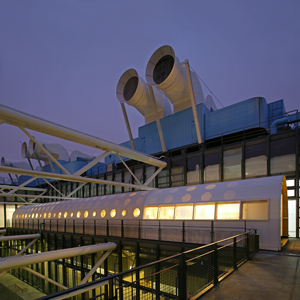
(133, 90)
(58, 151)
(166, 73)
(15, 164)
(78, 155)
(209, 103)
(26, 154)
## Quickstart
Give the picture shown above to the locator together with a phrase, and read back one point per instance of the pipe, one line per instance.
(26, 154)
(289, 119)
(76, 154)
(17, 262)
(133, 90)
(19, 237)
(18, 118)
(165, 72)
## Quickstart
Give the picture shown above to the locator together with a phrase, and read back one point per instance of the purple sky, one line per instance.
(61, 60)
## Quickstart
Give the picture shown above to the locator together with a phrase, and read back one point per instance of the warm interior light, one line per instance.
(136, 212)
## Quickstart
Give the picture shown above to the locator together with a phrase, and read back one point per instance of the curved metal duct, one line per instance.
(165, 71)
(26, 154)
(58, 151)
(76, 154)
(133, 90)
(15, 164)
(209, 103)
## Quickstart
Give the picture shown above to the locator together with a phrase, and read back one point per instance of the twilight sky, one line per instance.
(61, 60)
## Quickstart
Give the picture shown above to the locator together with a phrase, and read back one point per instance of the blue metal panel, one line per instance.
(276, 110)
(247, 114)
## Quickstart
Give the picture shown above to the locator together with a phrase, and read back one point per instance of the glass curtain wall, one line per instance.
(232, 164)
(193, 165)
(256, 160)
(212, 167)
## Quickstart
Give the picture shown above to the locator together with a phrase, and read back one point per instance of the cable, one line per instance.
(206, 86)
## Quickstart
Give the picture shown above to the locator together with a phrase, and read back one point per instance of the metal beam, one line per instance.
(66, 177)
(192, 96)
(154, 108)
(8, 263)
(9, 187)
(18, 118)
(34, 196)
(19, 237)
(127, 125)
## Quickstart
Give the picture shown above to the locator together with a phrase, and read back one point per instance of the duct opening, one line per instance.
(163, 69)
(130, 88)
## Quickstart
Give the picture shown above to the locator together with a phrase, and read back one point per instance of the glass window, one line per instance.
(211, 167)
(149, 172)
(228, 210)
(78, 214)
(291, 193)
(118, 178)
(177, 177)
(204, 211)
(86, 214)
(136, 212)
(138, 173)
(124, 213)
(184, 212)
(256, 160)
(65, 214)
(127, 179)
(109, 188)
(49, 215)
(94, 214)
(59, 215)
(101, 186)
(166, 212)
(290, 182)
(150, 212)
(113, 213)
(103, 213)
(256, 210)
(283, 158)
(232, 164)
(163, 178)
(193, 170)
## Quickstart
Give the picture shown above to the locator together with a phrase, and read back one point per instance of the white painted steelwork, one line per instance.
(23, 120)
(70, 178)
(133, 90)
(8, 263)
(19, 237)
(165, 72)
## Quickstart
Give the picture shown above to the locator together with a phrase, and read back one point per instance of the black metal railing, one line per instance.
(194, 231)
(182, 276)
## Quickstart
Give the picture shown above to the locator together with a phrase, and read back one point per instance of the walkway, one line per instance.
(269, 275)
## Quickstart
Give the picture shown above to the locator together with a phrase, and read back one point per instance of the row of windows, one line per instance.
(113, 213)
(255, 210)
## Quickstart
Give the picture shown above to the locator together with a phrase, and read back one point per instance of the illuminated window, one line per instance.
(40, 215)
(290, 182)
(184, 212)
(78, 214)
(54, 215)
(136, 212)
(16, 216)
(65, 214)
(166, 212)
(25, 216)
(204, 211)
(49, 215)
(150, 212)
(103, 213)
(29, 215)
(94, 214)
(124, 212)
(36, 215)
(255, 210)
(59, 215)
(113, 213)
(32, 216)
(228, 210)
(86, 213)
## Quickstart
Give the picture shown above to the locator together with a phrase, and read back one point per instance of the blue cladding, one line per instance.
(251, 113)
(276, 110)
